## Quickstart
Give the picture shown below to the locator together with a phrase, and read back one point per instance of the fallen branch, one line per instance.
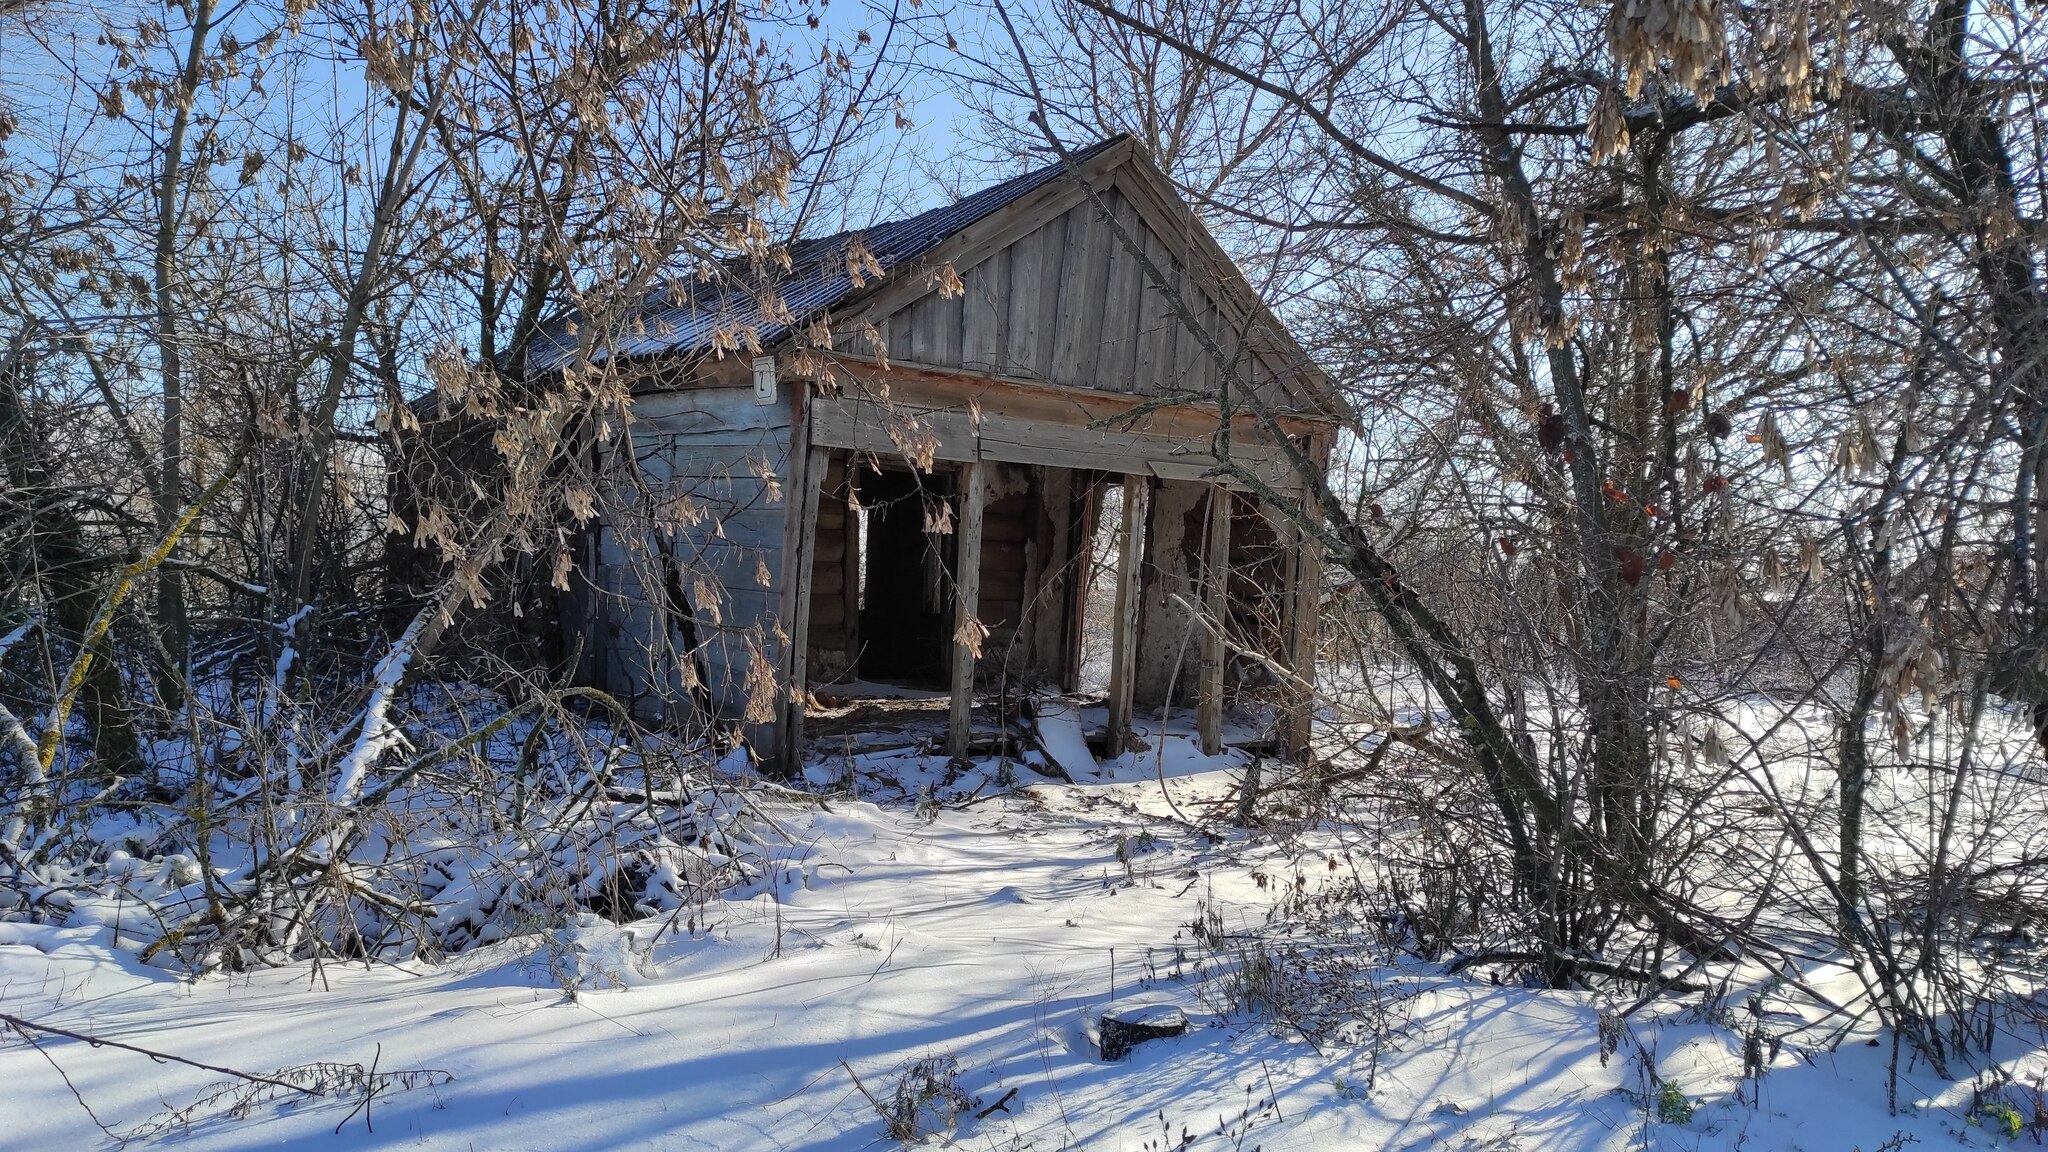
(1576, 965)
(1002, 1105)
(25, 1027)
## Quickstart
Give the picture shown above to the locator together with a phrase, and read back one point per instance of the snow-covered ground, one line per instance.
(992, 930)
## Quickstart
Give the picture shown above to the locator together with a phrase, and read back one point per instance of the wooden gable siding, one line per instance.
(710, 507)
(1067, 303)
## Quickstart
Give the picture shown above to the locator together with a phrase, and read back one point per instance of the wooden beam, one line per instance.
(918, 385)
(1305, 579)
(849, 568)
(1085, 505)
(1008, 437)
(1215, 604)
(1123, 671)
(966, 593)
(804, 510)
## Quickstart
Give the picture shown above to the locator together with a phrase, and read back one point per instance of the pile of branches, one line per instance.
(476, 820)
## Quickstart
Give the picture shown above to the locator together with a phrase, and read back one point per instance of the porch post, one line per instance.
(967, 591)
(1124, 650)
(1305, 579)
(1215, 605)
(796, 600)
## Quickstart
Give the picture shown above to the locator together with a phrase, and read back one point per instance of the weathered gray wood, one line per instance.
(1164, 215)
(705, 411)
(1192, 364)
(966, 595)
(979, 242)
(1305, 576)
(1056, 246)
(1156, 329)
(1215, 579)
(983, 312)
(1117, 340)
(1087, 515)
(1144, 202)
(800, 496)
(1027, 282)
(708, 459)
(1084, 282)
(1169, 664)
(850, 572)
(895, 331)
(863, 426)
(1124, 646)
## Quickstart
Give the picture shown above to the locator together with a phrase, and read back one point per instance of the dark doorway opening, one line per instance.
(906, 590)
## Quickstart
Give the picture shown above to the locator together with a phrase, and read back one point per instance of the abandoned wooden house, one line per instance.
(845, 522)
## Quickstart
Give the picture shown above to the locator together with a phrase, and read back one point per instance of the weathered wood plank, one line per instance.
(1124, 645)
(850, 573)
(1215, 581)
(806, 483)
(984, 312)
(1079, 336)
(1304, 602)
(1056, 246)
(1157, 330)
(1027, 281)
(966, 590)
(699, 412)
(925, 386)
(864, 426)
(1117, 339)
(1048, 594)
(979, 242)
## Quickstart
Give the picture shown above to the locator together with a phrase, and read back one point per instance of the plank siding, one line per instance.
(1067, 303)
(1084, 283)
(733, 561)
(1156, 330)
(865, 426)
(708, 519)
(1116, 348)
(984, 314)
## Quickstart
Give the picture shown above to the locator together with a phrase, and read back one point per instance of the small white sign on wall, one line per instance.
(764, 380)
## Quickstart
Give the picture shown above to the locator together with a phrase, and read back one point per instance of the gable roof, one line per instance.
(820, 282)
(818, 279)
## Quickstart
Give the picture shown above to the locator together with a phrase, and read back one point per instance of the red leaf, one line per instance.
(1667, 560)
(1631, 564)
